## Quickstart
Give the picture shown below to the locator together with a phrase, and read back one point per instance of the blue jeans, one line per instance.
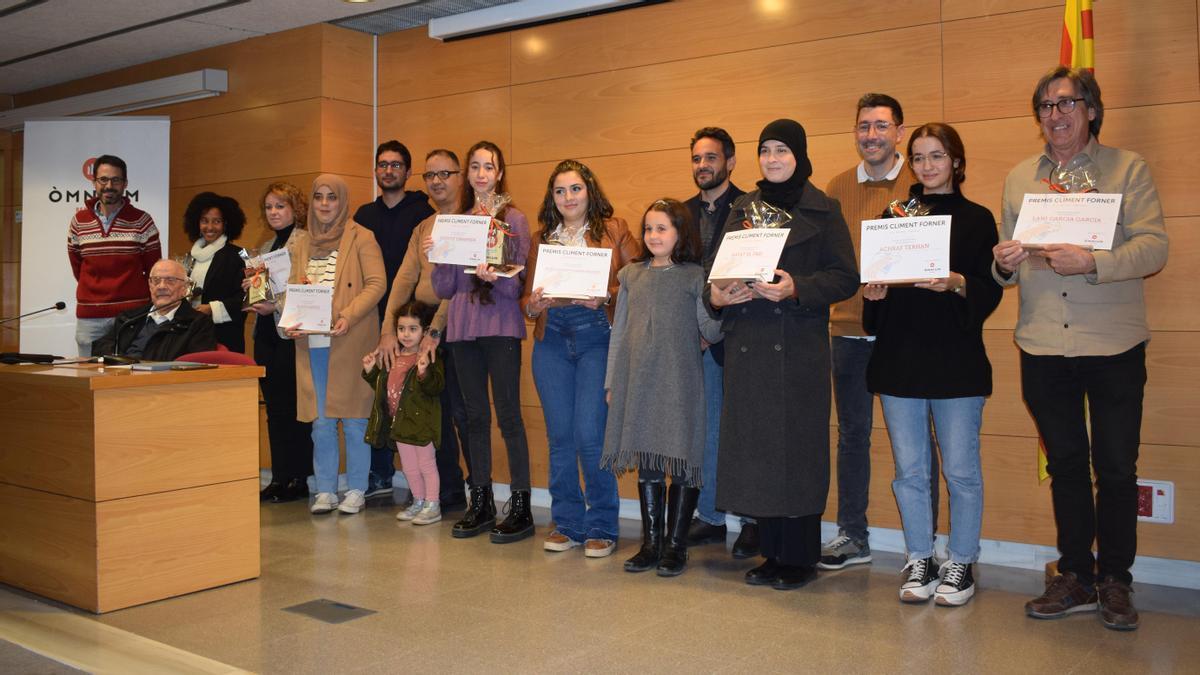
(714, 383)
(568, 368)
(956, 423)
(855, 413)
(325, 436)
(88, 331)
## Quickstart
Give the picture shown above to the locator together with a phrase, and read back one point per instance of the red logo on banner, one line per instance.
(89, 169)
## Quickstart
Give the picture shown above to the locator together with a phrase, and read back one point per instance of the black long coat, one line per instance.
(774, 449)
(223, 282)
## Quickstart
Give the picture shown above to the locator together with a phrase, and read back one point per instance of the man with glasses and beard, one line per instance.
(713, 159)
(112, 245)
(392, 217)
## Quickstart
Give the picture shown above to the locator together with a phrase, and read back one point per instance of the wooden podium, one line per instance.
(120, 487)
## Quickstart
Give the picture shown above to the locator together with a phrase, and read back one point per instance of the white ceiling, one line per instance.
(50, 24)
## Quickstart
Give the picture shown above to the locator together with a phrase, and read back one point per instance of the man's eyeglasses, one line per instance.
(113, 180)
(880, 127)
(444, 175)
(384, 166)
(1065, 106)
(167, 281)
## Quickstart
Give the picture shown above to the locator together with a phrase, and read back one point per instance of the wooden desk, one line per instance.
(120, 487)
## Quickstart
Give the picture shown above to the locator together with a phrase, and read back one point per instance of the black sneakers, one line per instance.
(958, 584)
(920, 580)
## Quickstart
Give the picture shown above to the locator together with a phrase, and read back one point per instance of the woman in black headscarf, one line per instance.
(773, 462)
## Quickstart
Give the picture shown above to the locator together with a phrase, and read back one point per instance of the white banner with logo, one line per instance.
(57, 180)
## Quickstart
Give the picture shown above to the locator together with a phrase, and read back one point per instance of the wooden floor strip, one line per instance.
(89, 645)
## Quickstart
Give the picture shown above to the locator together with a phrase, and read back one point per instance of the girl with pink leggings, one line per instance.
(408, 412)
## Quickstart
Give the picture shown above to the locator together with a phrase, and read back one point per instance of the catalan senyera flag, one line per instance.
(1077, 48)
(1078, 51)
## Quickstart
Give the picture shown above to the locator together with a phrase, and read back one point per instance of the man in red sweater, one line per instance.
(112, 246)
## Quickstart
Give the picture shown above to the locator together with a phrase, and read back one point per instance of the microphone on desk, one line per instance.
(56, 306)
(116, 359)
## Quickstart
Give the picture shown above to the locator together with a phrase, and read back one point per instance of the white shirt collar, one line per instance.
(160, 319)
(897, 167)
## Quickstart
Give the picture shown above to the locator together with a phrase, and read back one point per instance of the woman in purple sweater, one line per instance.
(484, 329)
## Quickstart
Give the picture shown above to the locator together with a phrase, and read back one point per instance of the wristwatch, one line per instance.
(435, 334)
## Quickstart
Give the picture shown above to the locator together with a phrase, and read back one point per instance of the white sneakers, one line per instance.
(429, 514)
(325, 502)
(412, 510)
(353, 502)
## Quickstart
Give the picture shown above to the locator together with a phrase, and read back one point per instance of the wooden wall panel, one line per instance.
(1134, 71)
(642, 36)
(276, 140)
(456, 122)
(1171, 301)
(345, 137)
(346, 65)
(1172, 402)
(10, 299)
(651, 107)
(263, 71)
(418, 67)
(953, 10)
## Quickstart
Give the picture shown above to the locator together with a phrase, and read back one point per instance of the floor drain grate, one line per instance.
(329, 611)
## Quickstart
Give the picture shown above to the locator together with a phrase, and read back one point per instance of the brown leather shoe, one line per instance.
(1116, 605)
(1064, 595)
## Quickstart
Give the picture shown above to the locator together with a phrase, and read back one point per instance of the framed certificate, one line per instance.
(578, 272)
(749, 255)
(460, 240)
(1087, 219)
(905, 250)
(308, 308)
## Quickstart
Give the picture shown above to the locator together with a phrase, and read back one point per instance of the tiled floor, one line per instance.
(469, 606)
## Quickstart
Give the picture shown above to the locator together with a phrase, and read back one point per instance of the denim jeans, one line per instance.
(1056, 389)
(495, 359)
(88, 331)
(956, 423)
(569, 364)
(855, 414)
(714, 395)
(325, 435)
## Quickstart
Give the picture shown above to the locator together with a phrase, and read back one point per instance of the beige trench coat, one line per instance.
(359, 283)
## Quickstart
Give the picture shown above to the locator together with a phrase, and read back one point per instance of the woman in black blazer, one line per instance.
(215, 266)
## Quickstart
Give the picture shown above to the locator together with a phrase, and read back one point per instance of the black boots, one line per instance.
(519, 523)
(681, 504)
(480, 516)
(746, 545)
(650, 497)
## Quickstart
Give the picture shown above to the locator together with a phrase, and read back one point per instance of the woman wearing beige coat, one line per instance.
(336, 251)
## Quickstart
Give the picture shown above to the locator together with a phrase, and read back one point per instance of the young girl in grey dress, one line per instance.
(655, 383)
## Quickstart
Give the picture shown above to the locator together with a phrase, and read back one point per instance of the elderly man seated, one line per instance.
(164, 330)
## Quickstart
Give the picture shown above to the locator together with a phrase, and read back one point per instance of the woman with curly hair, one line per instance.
(570, 353)
(211, 221)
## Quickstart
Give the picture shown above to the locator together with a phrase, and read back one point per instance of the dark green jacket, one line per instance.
(418, 419)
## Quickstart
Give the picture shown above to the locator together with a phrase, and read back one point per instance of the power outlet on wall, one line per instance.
(1156, 501)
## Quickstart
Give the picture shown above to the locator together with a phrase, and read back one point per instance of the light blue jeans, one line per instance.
(325, 436)
(956, 422)
(88, 331)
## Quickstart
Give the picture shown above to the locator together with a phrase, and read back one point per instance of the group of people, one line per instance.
(716, 394)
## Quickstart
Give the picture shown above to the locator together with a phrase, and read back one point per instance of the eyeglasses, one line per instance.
(1065, 106)
(398, 166)
(444, 175)
(168, 281)
(936, 157)
(106, 180)
(880, 127)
